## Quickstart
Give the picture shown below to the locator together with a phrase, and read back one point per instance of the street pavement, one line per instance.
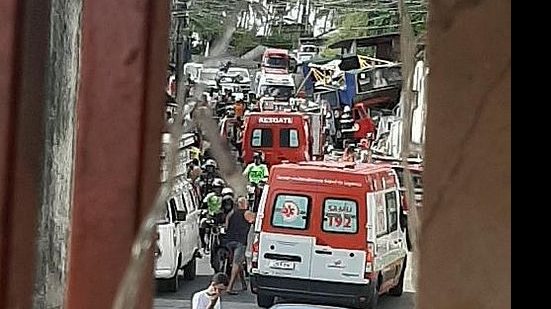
(247, 300)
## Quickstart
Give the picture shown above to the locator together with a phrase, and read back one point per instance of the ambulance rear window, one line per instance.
(262, 138)
(340, 216)
(288, 138)
(291, 211)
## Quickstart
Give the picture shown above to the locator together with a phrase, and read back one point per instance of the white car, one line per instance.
(179, 241)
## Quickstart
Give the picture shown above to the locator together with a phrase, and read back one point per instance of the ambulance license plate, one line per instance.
(282, 265)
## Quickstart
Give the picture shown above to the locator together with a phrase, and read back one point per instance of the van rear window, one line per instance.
(340, 216)
(291, 211)
(288, 138)
(262, 138)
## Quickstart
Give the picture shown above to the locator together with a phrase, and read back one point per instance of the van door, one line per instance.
(339, 252)
(397, 239)
(286, 254)
(167, 243)
(390, 247)
(262, 139)
(291, 144)
(180, 225)
(185, 227)
(192, 221)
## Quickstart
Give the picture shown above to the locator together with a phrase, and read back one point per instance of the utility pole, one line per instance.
(182, 50)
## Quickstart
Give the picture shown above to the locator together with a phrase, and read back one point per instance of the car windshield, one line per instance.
(278, 92)
(206, 76)
(241, 72)
(277, 62)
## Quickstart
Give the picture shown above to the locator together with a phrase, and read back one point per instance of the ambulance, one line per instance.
(329, 232)
(280, 136)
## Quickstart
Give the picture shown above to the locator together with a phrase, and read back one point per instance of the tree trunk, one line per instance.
(407, 46)
(57, 181)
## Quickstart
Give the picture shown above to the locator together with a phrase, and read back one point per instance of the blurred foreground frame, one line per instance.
(110, 56)
(114, 167)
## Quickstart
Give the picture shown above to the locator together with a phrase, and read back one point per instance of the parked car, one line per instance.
(178, 240)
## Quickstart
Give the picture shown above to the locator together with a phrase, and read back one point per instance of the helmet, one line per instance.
(227, 203)
(208, 197)
(218, 182)
(346, 109)
(258, 155)
(210, 162)
(227, 192)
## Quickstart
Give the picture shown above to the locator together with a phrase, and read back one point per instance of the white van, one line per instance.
(179, 240)
(279, 86)
(329, 232)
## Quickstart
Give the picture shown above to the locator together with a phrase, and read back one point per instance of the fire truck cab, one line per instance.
(275, 61)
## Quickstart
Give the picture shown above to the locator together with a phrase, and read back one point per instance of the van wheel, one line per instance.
(190, 270)
(264, 301)
(399, 288)
(372, 304)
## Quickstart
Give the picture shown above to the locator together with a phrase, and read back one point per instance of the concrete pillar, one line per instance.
(466, 231)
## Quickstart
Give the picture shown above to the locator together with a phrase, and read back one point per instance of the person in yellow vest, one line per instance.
(195, 153)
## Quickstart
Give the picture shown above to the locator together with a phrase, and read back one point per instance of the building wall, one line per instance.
(466, 226)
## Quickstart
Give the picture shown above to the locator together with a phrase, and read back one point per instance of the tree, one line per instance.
(376, 19)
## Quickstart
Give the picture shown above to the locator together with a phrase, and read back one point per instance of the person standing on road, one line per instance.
(238, 223)
(210, 298)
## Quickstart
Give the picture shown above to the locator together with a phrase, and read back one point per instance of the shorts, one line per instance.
(238, 252)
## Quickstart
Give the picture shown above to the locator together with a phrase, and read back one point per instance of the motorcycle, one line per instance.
(221, 256)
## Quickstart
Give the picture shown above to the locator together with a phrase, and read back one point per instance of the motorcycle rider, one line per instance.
(212, 203)
(227, 203)
(205, 181)
(213, 200)
(257, 170)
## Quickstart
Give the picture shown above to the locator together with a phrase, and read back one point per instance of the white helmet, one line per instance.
(227, 191)
(346, 109)
(218, 182)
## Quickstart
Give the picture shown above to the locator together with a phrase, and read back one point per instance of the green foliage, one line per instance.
(281, 40)
(374, 22)
(243, 41)
(209, 26)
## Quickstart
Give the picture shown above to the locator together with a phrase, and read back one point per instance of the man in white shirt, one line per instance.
(210, 298)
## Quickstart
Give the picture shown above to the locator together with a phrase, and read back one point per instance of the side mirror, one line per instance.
(181, 216)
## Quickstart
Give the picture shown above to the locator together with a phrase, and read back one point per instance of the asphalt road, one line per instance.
(247, 300)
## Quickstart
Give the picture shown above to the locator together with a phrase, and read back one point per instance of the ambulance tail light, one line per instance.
(255, 250)
(369, 258)
(405, 206)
